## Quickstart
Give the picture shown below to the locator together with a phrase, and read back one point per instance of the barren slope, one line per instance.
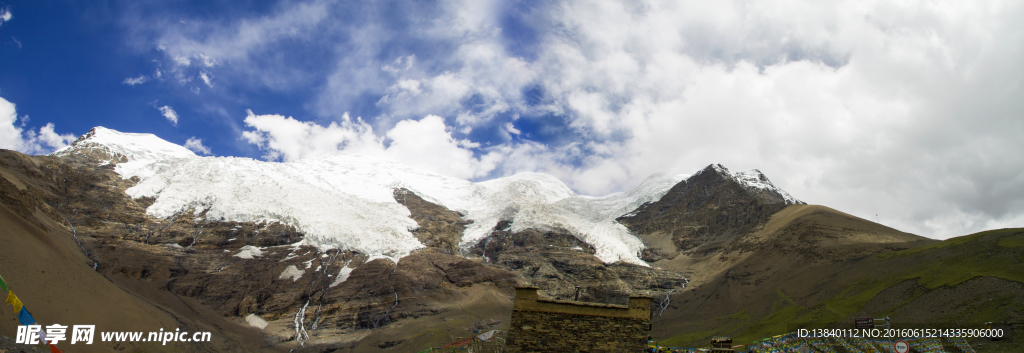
(958, 283)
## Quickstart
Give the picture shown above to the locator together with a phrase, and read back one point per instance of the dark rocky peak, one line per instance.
(715, 186)
(87, 136)
(712, 201)
(713, 173)
(716, 169)
(712, 187)
(753, 181)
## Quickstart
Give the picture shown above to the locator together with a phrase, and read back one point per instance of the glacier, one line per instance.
(346, 201)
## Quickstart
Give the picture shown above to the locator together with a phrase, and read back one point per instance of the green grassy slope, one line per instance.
(957, 283)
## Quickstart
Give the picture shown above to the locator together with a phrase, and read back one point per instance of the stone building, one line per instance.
(544, 325)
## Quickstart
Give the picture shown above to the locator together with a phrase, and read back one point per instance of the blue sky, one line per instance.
(911, 111)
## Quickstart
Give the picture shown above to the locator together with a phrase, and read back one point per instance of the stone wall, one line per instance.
(542, 325)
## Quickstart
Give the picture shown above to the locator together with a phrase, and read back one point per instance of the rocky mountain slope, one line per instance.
(265, 275)
(352, 254)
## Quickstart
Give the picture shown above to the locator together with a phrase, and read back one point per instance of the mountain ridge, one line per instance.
(223, 187)
(714, 234)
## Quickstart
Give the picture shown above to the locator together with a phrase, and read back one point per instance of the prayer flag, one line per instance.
(486, 335)
(3, 285)
(25, 318)
(13, 300)
(54, 349)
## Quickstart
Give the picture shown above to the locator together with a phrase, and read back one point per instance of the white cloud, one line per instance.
(512, 129)
(902, 111)
(170, 114)
(10, 134)
(206, 77)
(287, 139)
(5, 15)
(910, 111)
(401, 64)
(46, 141)
(182, 60)
(235, 40)
(423, 143)
(204, 49)
(132, 81)
(906, 110)
(207, 61)
(14, 137)
(196, 145)
(427, 145)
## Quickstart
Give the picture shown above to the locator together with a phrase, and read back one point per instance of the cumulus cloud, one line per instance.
(428, 145)
(13, 135)
(909, 111)
(906, 111)
(196, 145)
(169, 113)
(10, 134)
(288, 139)
(424, 143)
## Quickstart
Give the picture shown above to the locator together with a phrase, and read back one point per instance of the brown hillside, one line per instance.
(823, 270)
(47, 268)
(189, 266)
(58, 286)
(809, 233)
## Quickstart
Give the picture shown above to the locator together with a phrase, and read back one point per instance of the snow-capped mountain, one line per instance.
(129, 146)
(346, 201)
(134, 154)
(757, 182)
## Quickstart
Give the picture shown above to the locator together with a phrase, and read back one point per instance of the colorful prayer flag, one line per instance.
(25, 318)
(13, 300)
(3, 285)
(54, 349)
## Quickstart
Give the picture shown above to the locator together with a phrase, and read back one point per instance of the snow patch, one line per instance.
(754, 179)
(342, 275)
(291, 272)
(249, 251)
(256, 321)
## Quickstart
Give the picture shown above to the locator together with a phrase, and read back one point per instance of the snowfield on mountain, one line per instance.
(347, 201)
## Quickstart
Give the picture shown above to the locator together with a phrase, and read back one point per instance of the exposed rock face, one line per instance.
(439, 227)
(709, 227)
(702, 215)
(317, 298)
(557, 262)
